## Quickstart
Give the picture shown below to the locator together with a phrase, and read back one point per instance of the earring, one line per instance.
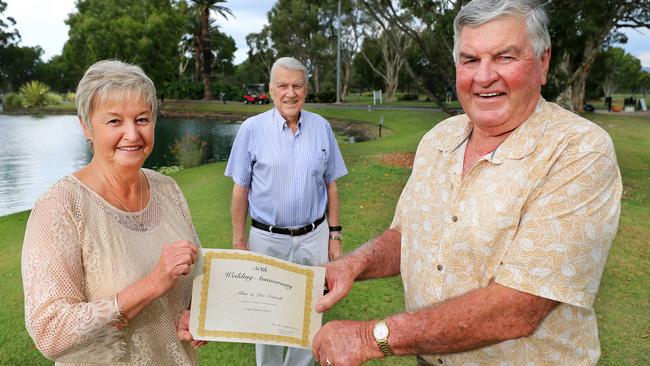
(89, 141)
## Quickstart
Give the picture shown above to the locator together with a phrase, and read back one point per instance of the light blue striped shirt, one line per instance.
(286, 173)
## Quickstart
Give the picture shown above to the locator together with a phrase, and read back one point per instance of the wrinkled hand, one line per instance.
(345, 343)
(184, 331)
(175, 261)
(339, 278)
(334, 249)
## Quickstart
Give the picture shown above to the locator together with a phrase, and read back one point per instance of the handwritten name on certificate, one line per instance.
(242, 296)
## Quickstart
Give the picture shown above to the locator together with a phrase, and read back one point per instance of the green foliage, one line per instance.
(53, 98)
(326, 96)
(182, 89)
(189, 151)
(69, 97)
(614, 69)
(145, 33)
(12, 102)
(408, 96)
(18, 65)
(34, 94)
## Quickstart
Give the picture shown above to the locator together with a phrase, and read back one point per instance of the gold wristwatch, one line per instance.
(381, 333)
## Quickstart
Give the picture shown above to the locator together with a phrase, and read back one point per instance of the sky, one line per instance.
(46, 28)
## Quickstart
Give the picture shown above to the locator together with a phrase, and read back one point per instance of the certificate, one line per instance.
(242, 296)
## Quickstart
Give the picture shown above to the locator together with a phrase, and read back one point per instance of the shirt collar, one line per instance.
(281, 123)
(520, 143)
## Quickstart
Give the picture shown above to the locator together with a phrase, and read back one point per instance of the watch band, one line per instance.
(336, 228)
(385, 348)
(381, 334)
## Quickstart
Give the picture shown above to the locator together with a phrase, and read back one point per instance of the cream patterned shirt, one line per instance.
(538, 215)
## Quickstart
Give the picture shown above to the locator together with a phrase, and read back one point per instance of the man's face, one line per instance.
(288, 90)
(498, 76)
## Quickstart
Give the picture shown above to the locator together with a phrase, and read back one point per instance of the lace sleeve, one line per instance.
(62, 324)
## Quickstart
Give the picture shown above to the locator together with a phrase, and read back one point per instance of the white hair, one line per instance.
(110, 78)
(288, 63)
(479, 12)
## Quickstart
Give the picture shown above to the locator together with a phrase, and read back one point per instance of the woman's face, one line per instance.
(122, 131)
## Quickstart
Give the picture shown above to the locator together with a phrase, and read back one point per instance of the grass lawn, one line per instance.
(368, 197)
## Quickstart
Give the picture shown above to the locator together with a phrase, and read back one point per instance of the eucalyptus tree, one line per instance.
(203, 9)
(429, 26)
(580, 31)
(304, 29)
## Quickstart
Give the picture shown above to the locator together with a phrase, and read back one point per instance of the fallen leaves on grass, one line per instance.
(401, 160)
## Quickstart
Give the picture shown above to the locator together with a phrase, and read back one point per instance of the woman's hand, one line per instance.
(176, 260)
(184, 331)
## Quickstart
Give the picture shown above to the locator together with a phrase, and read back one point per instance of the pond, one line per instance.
(35, 152)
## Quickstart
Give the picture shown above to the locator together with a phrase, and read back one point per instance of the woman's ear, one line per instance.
(86, 130)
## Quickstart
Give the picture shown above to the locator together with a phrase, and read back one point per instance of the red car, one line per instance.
(254, 94)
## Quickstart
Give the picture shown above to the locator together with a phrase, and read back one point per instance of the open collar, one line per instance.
(281, 123)
(520, 143)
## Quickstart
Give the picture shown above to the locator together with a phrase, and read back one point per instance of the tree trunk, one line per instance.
(198, 55)
(316, 80)
(575, 88)
(207, 54)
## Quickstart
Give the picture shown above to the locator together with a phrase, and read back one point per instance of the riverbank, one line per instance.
(231, 111)
(378, 171)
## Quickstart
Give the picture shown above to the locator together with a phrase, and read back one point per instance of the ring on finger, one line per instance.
(328, 362)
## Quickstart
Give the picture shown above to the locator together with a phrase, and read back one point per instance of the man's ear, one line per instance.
(545, 60)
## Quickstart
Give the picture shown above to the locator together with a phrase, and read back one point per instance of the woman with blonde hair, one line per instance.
(109, 250)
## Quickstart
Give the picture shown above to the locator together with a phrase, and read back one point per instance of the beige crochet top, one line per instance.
(79, 251)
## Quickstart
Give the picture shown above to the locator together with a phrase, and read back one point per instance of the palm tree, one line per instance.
(203, 8)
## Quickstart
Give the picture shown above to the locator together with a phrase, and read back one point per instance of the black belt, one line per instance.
(288, 231)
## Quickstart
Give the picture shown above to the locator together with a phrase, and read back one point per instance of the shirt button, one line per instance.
(454, 218)
(439, 267)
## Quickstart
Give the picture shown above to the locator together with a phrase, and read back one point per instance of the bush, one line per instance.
(12, 102)
(53, 98)
(182, 89)
(232, 92)
(408, 96)
(189, 151)
(34, 94)
(327, 96)
(70, 97)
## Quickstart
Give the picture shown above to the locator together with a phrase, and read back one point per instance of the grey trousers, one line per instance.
(309, 249)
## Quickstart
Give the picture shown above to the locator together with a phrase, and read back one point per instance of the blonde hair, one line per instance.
(111, 78)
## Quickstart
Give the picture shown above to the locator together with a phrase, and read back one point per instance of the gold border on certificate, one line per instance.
(202, 331)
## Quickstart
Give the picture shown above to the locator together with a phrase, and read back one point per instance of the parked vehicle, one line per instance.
(254, 94)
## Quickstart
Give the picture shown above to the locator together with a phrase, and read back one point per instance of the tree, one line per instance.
(303, 29)
(146, 33)
(580, 30)
(19, 65)
(614, 69)
(8, 37)
(261, 54)
(203, 8)
(384, 60)
(429, 24)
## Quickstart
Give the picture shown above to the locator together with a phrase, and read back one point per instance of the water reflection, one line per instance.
(36, 152)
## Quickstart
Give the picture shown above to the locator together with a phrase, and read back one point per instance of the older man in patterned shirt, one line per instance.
(285, 163)
(502, 231)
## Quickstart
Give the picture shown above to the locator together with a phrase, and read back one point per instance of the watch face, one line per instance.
(380, 331)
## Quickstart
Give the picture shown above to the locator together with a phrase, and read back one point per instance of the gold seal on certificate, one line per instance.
(242, 296)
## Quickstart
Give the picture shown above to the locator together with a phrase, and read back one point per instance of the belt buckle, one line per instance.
(292, 231)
